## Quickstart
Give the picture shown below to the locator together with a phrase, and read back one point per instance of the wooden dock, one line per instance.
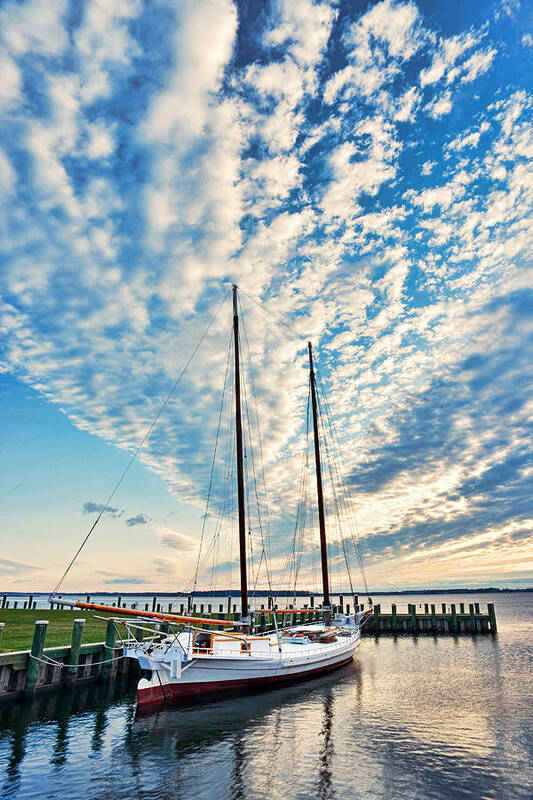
(27, 672)
(450, 619)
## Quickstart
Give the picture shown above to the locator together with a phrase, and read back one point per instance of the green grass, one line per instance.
(18, 630)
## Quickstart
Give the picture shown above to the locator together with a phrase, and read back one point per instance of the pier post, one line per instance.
(37, 647)
(2, 624)
(311, 600)
(492, 617)
(109, 649)
(476, 607)
(394, 618)
(341, 603)
(414, 621)
(444, 608)
(229, 606)
(454, 618)
(433, 619)
(472, 618)
(75, 645)
(426, 608)
(461, 608)
(377, 611)
(153, 603)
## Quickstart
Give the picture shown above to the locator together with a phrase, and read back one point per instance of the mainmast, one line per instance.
(320, 495)
(240, 464)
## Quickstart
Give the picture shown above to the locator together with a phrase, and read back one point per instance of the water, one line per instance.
(409, 718)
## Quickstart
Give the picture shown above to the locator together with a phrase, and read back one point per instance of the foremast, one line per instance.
(240, 467)
(320, 494)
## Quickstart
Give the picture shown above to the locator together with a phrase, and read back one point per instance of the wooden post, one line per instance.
(229, 606)
(444, 608)
(472, 618)
(394, 618)
(341, 603)
(311, 601)
(88, 600)
(75, 645)
(30, 601)
(262, 623)
(433, 618)
(476, 607)
(119, 602)
(2, 625)
(109, 649)
(37, 647)
(414, 621)
(153, 603)
(377, 610)
(454, 618)
(461, 608)
(492, 617)
(426, 608)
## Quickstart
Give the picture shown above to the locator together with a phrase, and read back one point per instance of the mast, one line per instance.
(240, 464)
(320, 495)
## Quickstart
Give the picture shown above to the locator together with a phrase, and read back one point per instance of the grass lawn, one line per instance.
(18, 630)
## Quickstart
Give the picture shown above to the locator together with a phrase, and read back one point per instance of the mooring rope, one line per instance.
(47, 660)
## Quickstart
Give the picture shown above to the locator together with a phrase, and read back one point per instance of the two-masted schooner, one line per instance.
(186, 659)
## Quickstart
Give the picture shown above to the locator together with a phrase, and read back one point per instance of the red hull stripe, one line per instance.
(155, 695)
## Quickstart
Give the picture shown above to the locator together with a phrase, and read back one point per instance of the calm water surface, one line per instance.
(410, 718)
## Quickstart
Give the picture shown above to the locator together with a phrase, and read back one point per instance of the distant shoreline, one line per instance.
(266, 593)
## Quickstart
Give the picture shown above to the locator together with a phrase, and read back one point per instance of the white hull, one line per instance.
(181, 671)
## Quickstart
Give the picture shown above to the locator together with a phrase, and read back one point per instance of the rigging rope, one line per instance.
(143, 440)
(340, 475)
(273, 314)
(204, 521)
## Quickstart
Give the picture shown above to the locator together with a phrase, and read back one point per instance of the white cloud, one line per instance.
(10, 84)
(477, 64)
(440, 105)
(527, 40)
(7, 175)
(445, 57)
(303, 28)
(427, 167)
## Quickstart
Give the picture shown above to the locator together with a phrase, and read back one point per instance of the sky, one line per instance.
(363, 171)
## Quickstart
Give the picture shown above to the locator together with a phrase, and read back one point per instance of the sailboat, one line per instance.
(185, 659)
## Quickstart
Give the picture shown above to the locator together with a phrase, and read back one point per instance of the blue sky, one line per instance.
(362, 168)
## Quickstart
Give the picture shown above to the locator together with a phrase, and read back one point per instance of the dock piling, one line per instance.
(109, 649)
(75, 645)
(454, 618)
(472, 618)
(414, 620)
(36, 653)
(492, 618)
